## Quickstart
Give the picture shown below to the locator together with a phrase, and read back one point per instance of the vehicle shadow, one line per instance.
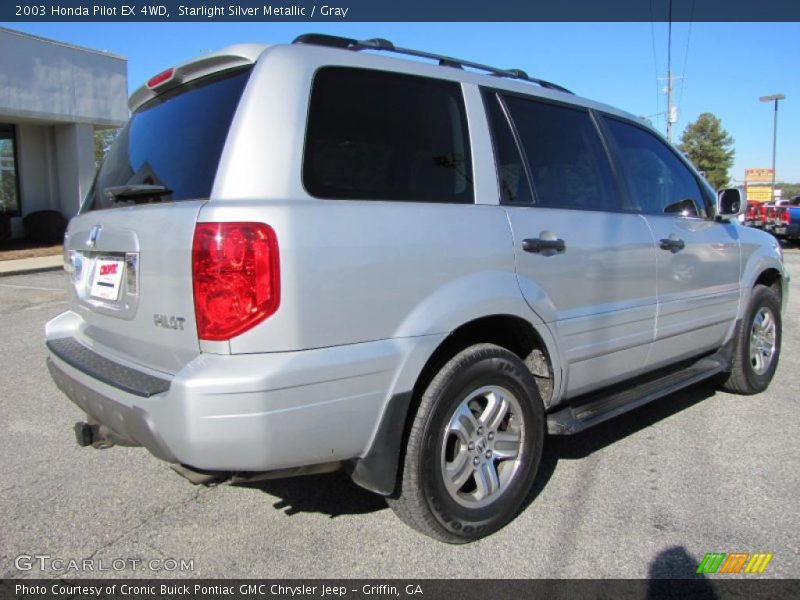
(334, 494)
(581, 445)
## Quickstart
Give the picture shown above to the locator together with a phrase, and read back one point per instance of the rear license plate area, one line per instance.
(107, 278)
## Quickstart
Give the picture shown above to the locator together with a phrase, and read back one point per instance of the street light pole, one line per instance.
(774, 98)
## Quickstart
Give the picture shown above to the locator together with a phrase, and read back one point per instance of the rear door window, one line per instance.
(566, 158)
(511, 174)
(175, 140)
(375, 135)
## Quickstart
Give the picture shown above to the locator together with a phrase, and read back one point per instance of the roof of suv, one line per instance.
(369, 51)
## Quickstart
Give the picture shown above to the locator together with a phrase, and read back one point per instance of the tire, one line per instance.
(757, 346)
(474, 447)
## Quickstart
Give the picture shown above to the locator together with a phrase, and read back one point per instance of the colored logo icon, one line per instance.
(736, 562)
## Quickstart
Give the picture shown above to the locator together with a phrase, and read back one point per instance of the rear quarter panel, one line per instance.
(357, 271)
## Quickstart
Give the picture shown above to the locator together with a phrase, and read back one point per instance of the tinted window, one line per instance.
(658, 181)
(174, 140)
(514, 185)
(565, 156)
(384, 136)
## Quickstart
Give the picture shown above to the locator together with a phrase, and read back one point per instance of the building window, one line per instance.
(9, 181)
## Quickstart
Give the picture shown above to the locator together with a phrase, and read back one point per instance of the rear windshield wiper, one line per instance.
(120, 192)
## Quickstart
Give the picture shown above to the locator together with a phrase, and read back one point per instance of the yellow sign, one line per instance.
(762, 193)
(763, 175)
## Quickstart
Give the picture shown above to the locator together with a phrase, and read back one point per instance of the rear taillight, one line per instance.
(786, 215)
(762, 211)
(236, 277)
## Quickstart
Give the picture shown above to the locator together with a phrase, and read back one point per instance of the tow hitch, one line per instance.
(96, 435)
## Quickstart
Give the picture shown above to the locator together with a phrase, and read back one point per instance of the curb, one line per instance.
(25, 271)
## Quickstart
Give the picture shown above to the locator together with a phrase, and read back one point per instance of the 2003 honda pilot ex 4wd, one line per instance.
(319, 255)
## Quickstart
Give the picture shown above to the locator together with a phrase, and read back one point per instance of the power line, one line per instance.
(655, 59)
(686, 55)
(669, 75)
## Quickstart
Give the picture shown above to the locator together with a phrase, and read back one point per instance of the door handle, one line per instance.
(540, 245)
(672, 244)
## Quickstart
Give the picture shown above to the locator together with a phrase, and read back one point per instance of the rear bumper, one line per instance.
(790, 231)
(130, 422)
(254, 412)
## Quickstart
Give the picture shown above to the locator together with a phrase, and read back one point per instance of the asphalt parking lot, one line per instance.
(645, 495)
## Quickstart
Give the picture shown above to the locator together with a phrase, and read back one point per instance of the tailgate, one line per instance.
(131, 282)
(129, 250)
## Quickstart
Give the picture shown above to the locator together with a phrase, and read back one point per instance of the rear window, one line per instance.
(175, 141)
(386, 136)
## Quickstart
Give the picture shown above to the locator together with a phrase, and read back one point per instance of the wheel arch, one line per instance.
(379, 469)
(507, 331)
(772, 278)
(762, 264)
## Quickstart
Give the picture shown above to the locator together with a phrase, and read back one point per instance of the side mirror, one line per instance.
(729, 202)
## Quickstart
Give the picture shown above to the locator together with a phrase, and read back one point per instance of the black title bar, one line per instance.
(408, 10)
(718, 588)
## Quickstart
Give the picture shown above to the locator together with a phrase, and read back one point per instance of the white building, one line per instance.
(53, 96)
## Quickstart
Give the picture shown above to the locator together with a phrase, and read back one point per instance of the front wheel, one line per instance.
(757, 345)
(474, 447)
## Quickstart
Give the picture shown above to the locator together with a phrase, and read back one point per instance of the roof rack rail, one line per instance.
(334, 41)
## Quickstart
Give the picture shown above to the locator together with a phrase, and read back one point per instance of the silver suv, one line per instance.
(312, 256)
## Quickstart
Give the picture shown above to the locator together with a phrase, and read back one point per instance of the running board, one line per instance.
(596, 408)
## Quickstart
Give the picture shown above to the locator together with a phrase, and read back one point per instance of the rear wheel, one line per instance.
(757, 345)
(474, 447)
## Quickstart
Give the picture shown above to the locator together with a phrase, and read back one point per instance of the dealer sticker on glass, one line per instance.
(107, 279)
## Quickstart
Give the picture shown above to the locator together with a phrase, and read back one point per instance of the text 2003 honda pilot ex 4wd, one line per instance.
(312, 256)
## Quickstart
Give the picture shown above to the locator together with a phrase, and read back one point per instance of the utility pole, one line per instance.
(672, 110)
(774, 98)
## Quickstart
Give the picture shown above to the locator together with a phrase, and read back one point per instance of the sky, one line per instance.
(721, 68)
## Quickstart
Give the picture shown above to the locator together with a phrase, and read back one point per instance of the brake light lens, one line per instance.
(161, 78)
(786, 215)
(235, 276)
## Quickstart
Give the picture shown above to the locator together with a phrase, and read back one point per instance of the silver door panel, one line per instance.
(599, 295)
(698, 286)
